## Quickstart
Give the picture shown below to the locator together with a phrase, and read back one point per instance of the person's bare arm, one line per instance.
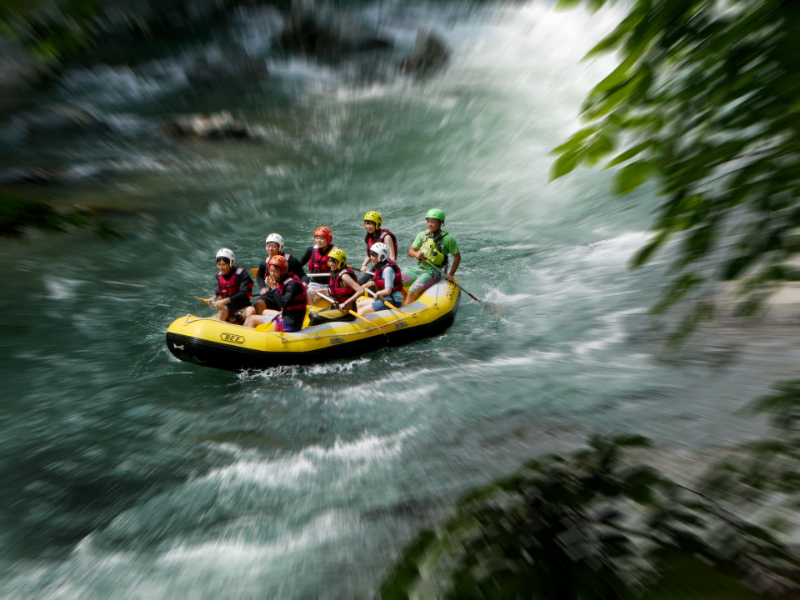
(456, 262)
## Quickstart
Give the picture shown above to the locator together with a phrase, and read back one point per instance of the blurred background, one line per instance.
(176, 129)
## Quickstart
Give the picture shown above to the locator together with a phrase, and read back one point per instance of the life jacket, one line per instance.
(300, 301)
(381, 234)
(230, 285)
(318, 263)
(432, 248)
(397, 285)
(340, 291)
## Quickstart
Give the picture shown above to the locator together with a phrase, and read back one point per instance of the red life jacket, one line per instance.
(381, 234)
(340, 291)
(318, 263)
(230, 285)
(397, 285)
(299, 302)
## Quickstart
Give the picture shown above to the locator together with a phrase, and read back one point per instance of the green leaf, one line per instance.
(576, 140)
(643, 256)
(633, 176)
(564, 164)
(629, 154)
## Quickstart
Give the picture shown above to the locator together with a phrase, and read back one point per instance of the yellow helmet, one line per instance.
(339, 256)
(375, 217)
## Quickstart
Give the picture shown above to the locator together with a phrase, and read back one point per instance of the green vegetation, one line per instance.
(704, 102)
(48, 30)
(19, 213)
(599, 524)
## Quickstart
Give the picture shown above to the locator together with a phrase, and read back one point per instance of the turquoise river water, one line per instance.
(127, 474)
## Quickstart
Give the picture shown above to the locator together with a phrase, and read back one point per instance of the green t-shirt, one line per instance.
(449, 246)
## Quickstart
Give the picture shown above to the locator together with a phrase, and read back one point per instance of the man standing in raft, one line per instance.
(431, 247)
(234, 288)
(290, 296)
(316, 257)
(267, 299)
(372, 223)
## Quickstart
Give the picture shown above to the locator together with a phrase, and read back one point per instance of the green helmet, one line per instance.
(435, 213)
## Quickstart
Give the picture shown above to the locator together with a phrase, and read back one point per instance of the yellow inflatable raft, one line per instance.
(212, 343)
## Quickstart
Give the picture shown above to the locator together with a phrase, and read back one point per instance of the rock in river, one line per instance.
(430, 54)
(325, 33)
(216, 126)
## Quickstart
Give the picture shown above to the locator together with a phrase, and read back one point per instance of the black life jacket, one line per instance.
(300, 301)
(340, 291)
(397, 284)
(381, 234)
(318, 263)
(433, 250)
(230, 285)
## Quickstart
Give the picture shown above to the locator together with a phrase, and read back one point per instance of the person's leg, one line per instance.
(253, 321)
(264, 317)
(365, 306)
(258, 307)
(223, 314)
(421, 283)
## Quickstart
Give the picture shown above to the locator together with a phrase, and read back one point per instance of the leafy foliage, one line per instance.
(18, 214)
(705, 101)
(48, 30)
(589, 525)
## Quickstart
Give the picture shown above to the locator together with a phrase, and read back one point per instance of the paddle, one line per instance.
(386, 302)
(355, 314)
(458, 285)
(206, 300)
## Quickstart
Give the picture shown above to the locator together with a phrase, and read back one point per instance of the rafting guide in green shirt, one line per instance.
(431, 247)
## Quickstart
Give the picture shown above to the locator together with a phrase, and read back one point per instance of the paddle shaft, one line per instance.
(458, 285)
(386, 302)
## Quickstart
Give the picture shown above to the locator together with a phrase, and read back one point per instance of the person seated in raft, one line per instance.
(387, 280)
(372, 223)
(343, 288)
(316, 257)
(431, 247)
(267, 299)
(234, 288)
(291, 298)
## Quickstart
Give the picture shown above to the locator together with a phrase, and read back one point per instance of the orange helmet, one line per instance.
(280, 262)
(324, 232)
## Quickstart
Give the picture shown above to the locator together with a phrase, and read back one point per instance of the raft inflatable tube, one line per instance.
(212, 343)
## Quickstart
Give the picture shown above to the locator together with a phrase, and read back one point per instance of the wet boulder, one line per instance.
(63, 119)
(216, 126)
(325, 33)
(33, 176)
(430, 55)
(19, 74)
(227, 66)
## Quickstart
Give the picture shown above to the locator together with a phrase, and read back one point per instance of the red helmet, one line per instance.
(324, 232)
(280, 262)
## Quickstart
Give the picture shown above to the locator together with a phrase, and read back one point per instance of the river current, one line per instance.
(128, 474)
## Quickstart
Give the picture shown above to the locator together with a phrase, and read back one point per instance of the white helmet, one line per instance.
(381, 249)
(274, 237)
(226, 253)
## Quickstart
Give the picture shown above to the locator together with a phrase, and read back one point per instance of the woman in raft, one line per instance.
(343, 289)
(372, 223)
(291, 298)
(387, 280)
(316, 257)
